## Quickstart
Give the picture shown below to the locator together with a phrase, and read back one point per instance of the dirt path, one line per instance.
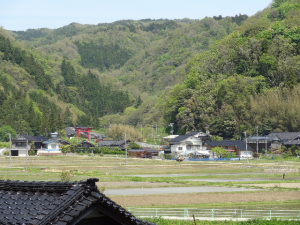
(174, 199)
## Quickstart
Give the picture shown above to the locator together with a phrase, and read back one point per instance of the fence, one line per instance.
(212, 214)
(213, 159)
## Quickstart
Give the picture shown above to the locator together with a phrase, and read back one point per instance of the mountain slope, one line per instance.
(249, 78)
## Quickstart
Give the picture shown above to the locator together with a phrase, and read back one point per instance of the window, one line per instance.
(53, 146)
(179, 148)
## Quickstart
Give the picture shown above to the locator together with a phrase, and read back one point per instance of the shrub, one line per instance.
(66, 175)
(255, 155)
(6, 153)
(134, 146)
(168, 156)
(31, 152)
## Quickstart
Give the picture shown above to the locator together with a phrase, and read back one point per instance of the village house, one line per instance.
(239, 147)
(274, 140)
(191, 143)
(52, 146)
(60, 203)
(22, 144)
(114, 144)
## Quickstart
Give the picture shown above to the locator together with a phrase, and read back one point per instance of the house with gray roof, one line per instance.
(113, 143)
(241, 149)
(274, 140)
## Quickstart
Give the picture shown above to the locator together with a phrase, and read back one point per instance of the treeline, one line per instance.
(250, 78)
(238, 19)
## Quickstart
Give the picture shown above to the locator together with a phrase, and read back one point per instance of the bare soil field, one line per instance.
(283, 185)
(199, 198)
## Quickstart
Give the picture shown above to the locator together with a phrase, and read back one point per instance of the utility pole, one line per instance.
(9, 149)
(266, 147)
(257, 140)
(246, 147)
(125, 150)
(26, 152)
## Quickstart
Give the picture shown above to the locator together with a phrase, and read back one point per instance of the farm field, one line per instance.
(113, 173)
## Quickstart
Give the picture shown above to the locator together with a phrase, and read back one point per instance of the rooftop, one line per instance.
(60, 203)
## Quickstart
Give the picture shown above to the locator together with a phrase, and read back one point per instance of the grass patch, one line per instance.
(266, 205)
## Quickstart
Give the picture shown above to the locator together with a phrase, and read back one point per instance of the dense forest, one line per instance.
(249, 78)
(231, 73)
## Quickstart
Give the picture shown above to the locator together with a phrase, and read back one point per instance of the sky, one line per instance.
(32, 14)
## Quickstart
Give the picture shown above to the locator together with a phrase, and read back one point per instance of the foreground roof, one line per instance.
(60, 203)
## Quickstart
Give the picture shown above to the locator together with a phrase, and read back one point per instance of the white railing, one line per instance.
(214, 213)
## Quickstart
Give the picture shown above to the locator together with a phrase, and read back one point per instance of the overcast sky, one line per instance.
(26, 14)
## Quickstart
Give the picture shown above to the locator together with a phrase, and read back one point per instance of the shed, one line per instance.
(149, 153)
(60, 203)
(136, 153)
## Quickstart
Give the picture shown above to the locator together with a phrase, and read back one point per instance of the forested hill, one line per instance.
(93, 74)
(249, 78)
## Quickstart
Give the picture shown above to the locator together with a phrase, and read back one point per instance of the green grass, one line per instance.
(270, 205)
(160, 221)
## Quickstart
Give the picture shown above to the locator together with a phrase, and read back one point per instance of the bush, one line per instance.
(168, 156)
(31, 152)
(6, 153)
(66, 175)
(134, 146)
(255, 155)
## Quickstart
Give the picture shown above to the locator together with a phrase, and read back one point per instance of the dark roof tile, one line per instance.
(241, 145)
(53, 202)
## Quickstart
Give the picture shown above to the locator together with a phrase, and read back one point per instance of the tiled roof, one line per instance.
(291, 142)
(180, 138)
(112, 143)
(70, 130)
(34, 138)
(241, 145)
(57, 203)
(284, 135)
(105, 143)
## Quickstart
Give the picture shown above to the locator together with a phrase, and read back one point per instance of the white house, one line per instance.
(186, 144)
(52, 145)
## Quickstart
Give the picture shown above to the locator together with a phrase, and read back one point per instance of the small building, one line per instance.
(136, 153)
(143, 153)
(114, 144)
(86, 144)
(60, 203)
(52, 146)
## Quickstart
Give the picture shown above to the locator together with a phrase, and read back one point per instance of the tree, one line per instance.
(117, 132)
(220, 152)
(4, 133)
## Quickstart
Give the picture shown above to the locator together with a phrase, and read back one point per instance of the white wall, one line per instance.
(2, 150)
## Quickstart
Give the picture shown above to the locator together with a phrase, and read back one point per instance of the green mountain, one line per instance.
(95, 74)
(249, 78)
(231, 73)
